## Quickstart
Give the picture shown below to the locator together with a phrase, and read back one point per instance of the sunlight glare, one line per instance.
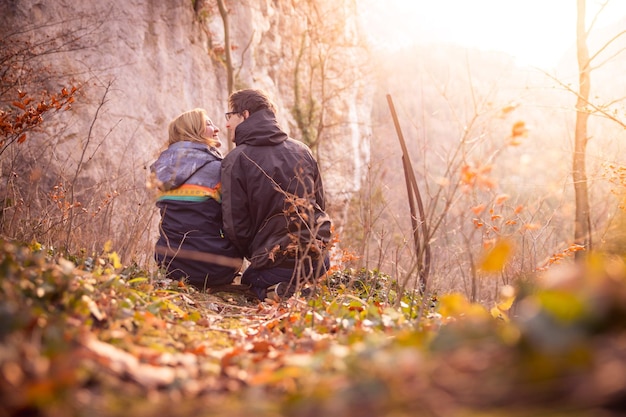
(535, 32)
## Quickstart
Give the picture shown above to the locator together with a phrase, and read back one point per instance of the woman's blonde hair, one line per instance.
(190, 126)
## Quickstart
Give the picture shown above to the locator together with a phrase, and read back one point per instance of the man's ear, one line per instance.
(245, 114)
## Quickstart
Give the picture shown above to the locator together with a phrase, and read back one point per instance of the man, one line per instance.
(272, 200)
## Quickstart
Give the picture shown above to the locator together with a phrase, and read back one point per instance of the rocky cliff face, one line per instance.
(138, 64)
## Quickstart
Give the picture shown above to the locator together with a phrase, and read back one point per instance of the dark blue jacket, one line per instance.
(191, 243)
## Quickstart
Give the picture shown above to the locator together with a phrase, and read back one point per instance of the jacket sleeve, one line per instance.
(235, 210)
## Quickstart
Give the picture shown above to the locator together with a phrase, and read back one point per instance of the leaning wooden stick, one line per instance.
(413, 191)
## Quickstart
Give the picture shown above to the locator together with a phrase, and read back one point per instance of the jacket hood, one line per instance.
(260, 129)
(181, 163)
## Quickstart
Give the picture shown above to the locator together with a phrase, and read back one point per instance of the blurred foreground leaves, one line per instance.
(89, 337)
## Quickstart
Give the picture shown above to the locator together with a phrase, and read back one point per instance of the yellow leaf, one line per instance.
(506, 299)
(497, 257)
(452, 304)
(456, 305)
(498, 314)
(107, 246)
(506, 304)
(564, 306)
(114, 258)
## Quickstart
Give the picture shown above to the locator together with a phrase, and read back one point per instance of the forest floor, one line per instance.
(93, 338)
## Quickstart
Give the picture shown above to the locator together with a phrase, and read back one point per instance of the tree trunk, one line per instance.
(582, 226)
(227, 52)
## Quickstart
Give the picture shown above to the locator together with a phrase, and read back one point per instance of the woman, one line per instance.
(191, 244)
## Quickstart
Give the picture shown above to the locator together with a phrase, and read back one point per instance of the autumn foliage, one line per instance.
(22, 111)
(27, 113)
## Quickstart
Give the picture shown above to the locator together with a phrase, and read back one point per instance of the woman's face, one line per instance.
(211, 130)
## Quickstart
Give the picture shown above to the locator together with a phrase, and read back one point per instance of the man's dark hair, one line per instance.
(251, 100)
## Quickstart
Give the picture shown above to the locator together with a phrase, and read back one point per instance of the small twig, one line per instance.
(79, 165)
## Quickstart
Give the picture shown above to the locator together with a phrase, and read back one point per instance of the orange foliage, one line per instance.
(558, 257)
(339, 257)
(27, 114)
(501, 199)
(476, 177)
(616, 174)
(531, 226)
(519, 129)
(478, 209)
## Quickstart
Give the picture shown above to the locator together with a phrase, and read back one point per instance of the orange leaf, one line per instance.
(501, 199)
(519, 209)
(532, 226)
(508, 108)
(486, 183)
(485, 169)
(478, 209)
(519, 129)
(490, 243)
(22, 138)
(575, 248)
(262, 346)
(467, 174)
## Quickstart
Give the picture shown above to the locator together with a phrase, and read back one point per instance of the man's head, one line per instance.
(251, 100)
(242, 104)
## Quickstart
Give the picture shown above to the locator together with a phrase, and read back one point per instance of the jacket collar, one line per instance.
(260, 129)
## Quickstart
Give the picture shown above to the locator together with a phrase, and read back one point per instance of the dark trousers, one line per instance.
(304, 272)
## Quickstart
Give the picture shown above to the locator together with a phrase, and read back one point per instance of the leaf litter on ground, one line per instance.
(91, 338)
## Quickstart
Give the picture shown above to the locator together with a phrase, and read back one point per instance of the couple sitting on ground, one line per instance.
(263, 201)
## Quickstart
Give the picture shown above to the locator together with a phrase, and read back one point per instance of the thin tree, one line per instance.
(584, 108)
(227, 52)
(582, 225)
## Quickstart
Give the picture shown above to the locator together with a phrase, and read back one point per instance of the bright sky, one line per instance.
(536, 32)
